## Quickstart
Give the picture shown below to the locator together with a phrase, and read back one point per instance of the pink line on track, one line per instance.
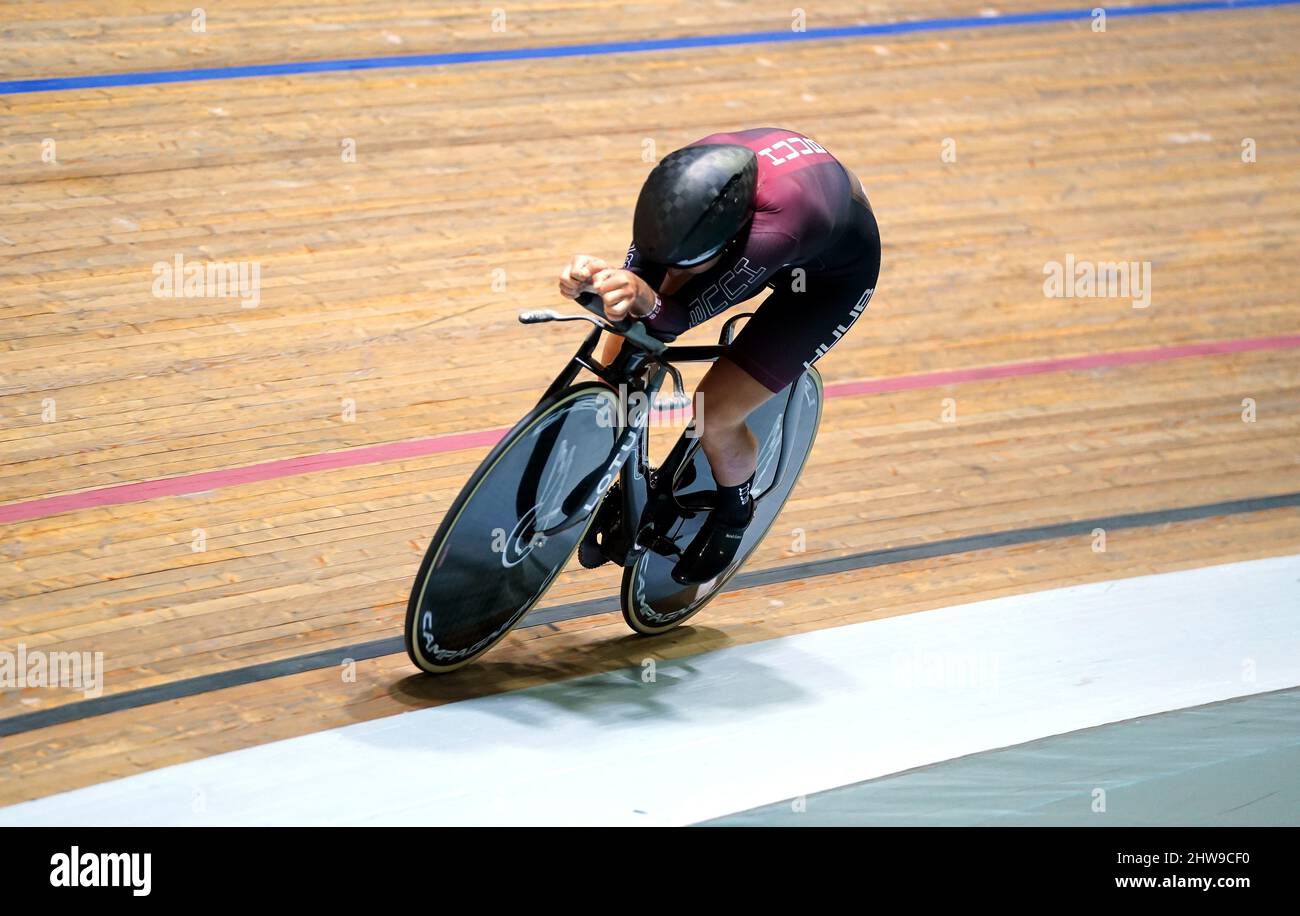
(1062, 364)
(418, 448)
(229, 477)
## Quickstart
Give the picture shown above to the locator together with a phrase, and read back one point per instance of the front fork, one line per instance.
(636, 478)
(631, 456)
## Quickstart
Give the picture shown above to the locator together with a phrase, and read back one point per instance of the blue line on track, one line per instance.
(153, 77)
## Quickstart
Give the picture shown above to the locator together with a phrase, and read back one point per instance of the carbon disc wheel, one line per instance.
(513, 527)
(653, 602)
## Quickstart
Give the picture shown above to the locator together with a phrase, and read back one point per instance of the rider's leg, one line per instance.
(723, 402)
(725, 399)
(610, 346)
(792, 329)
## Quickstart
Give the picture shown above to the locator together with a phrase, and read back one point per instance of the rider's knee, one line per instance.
(717, 421)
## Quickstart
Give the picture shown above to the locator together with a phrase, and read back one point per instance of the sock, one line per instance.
(735, 507)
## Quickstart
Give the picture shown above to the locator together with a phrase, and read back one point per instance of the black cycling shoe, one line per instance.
(711, 551)
(591, 550)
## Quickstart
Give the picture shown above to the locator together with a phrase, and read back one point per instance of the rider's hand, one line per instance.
(576, 276)
(622, 293)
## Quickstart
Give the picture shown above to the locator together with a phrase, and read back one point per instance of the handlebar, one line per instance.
(628, 328)
(594, 304)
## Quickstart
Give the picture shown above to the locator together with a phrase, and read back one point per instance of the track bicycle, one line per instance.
(578, 459)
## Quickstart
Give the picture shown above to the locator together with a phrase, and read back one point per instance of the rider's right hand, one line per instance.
(576, 276)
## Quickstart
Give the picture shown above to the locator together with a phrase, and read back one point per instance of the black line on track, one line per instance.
(328, 658)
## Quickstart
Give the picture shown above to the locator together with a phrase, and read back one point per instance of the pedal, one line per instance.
(591, 555)
(693, 504)
(593, 549)
(666, 548)
(616, 548)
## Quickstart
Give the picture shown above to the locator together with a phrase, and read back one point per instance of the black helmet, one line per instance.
(695, 200)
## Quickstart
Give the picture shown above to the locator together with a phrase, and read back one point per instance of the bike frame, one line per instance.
(640, 483)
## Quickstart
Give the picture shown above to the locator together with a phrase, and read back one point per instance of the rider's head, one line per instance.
(694, 202)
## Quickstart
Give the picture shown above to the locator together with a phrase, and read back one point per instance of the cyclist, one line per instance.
(716, 223)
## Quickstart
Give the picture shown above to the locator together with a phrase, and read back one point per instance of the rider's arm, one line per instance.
(733, 279)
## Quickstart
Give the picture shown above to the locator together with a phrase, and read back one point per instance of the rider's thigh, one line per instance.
(806, 315)
(727, 395)
(793, 329)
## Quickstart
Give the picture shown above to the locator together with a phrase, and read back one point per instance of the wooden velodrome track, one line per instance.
(394, 281)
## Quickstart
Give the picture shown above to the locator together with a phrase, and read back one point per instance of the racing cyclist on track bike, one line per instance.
(716, 223)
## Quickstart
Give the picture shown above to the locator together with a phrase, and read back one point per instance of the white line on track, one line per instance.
(748, 725)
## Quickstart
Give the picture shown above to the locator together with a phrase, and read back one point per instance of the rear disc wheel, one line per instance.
(653, 602)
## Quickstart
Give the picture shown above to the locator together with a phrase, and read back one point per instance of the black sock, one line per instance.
(735, 506)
